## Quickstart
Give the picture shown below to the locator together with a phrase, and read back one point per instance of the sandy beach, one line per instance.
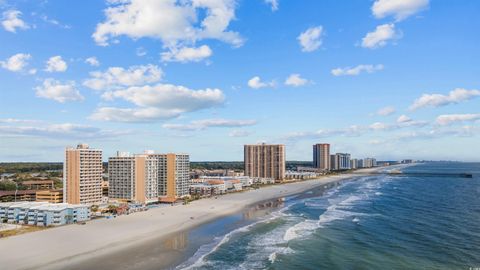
(58, 247)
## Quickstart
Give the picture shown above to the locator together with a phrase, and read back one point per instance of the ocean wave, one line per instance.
(198, 259)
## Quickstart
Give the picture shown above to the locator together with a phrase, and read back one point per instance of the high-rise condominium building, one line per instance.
(354, 163)
(340, 161)
(82, 175)
(369, 162)
(321, 156)
(265, 161)
(133, 178)
(173, 175)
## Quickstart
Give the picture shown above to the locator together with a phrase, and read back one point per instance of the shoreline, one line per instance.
(69, 245)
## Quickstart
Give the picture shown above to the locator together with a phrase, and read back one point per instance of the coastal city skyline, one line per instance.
(364, 77)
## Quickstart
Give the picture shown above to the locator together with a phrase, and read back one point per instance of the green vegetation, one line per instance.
(22, 167)
(7, 185)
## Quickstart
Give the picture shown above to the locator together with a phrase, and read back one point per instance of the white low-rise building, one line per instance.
(43, 213)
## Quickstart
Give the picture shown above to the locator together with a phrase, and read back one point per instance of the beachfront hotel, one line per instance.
(133, 178)
(173, 175)
(82, 175)
(265, 160)
(340, 161)
(321, 156)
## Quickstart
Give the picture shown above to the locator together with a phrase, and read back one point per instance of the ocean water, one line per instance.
(413, 221)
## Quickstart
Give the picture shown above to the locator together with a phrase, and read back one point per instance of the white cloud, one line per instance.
(61, 131)
(351, 131)
(256, 83)
(92, 61)
(56, 64)
(436, 100)
(380, 37)
(118, 77)
(162, 101)
(207, 123)
(170, 96)
(273, 4)
(186, 54)
(133, 114)
(448, 119)
(60, 92)
(11, 21)
(356, 70)
(386, 111)
(239, 133)
(400, 9)
(46, 19)
(171, 21)
(379, 126)
(311, 39)
(403, 119)
(295, 80)
(16, 62)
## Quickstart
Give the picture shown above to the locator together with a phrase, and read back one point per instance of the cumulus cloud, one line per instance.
(118, 77)
(207, 123)
(256, 83)
(354, 71)
(239, 133)
(92, 61)
(60, 92)
(171, 21)
(56, 64)
(295, 80)
(273, 4)
(311, 39)
(11, 21)
(17, 62)
(400, 9)
(436, 100)
(186, 54)
(380, 36)
(404, 123)
(161, 101)
(448, 119)
(386, 111)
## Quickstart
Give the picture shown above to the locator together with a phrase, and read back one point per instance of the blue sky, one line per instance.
(391, 79)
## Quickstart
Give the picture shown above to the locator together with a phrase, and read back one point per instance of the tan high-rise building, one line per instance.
(133, 178)
(173, 175)
(321, 156)
(265, 161)
(82, 175)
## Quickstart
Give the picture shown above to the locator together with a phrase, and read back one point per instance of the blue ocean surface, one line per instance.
(411, 221)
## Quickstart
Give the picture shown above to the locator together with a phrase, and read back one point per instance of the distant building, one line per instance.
(20, 195)
(354, 163)
(321, 156)
(369, 162)
(51, 196)
(340, 161)
(265, 161)
(39, 184)
(333, 162)
(82, 175)
(173, 175)
(133, 178)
